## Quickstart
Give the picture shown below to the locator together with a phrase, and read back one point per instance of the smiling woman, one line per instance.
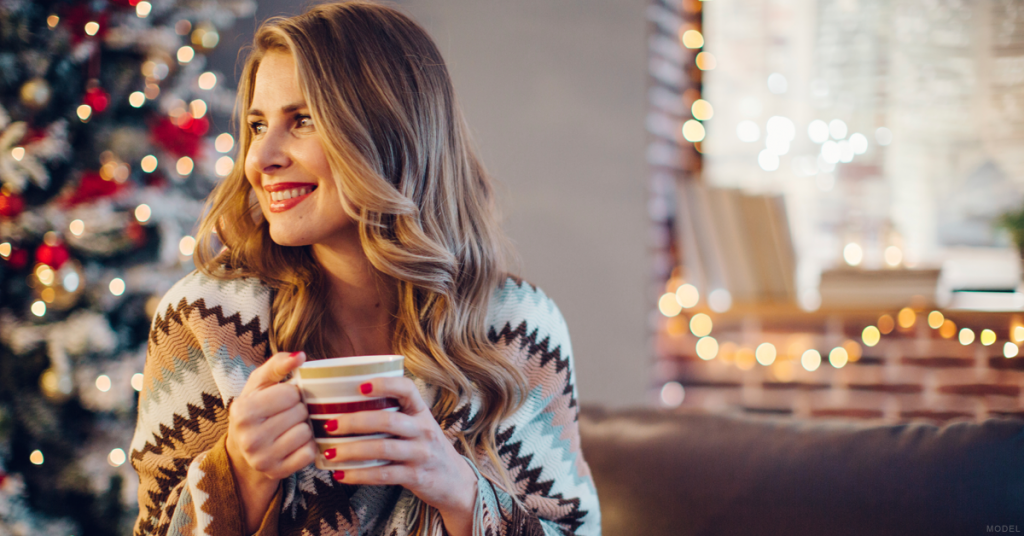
(357, 220)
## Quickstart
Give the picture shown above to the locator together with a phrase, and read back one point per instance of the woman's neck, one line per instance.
(362, 301)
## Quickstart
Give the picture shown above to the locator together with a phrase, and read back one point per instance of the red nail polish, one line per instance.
(338, 475)
(332, 425)
(330, 454)
(294, 354)
(366, 388)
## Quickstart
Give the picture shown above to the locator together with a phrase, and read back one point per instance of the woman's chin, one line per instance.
(286, 239)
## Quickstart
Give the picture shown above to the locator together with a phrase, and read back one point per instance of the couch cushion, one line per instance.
(658, 472)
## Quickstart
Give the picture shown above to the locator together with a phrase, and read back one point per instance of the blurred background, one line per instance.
(808, 208)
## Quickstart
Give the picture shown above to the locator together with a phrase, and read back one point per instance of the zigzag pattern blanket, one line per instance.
(209, 335)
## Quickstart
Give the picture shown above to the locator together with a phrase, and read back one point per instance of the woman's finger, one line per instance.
(272, 400)
(273, 370)
(393, 474)
(280, 423)
(374, 422)
(291, 440)
(401, 388)
(303, 456)
(396, 450)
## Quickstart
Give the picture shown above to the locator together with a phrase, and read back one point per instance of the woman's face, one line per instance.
(286, 164)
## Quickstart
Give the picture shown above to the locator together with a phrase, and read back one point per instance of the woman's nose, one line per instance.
(269, 153)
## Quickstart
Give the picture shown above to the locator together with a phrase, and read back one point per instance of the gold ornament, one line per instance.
(36, 93)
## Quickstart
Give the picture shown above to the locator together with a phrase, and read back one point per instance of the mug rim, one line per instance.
(352, 360)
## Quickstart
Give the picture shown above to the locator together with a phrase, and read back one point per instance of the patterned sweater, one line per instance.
(207, 337)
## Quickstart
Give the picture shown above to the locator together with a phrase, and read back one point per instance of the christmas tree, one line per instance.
(106, 155)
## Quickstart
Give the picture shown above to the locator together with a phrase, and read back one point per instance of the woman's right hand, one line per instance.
(268, 435)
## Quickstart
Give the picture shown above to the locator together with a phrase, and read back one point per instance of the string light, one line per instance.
(853, 351)
(745, 359)
(700, 324)
(906, 318)
(1010, 350)
(143, 213)
(5, 249)
(871, 336)
(91, 28)
(935, 320)
(988, 337)
(224, 166)
(694, 131)
(137, 381)
(103, 382)
(672, 394)
(185, 54)
(224, 143)
(838, 357)
(77, 227)
(197, 108)
(668, 305)
(853, 254)
(886, 324)
(187, 245)
(893, 256)
(706, 62)
(707, 348)
(137, 99)
(948, 329)
(36, 457)
(18, 153)
(702, 110)
(148, 163)
(719, 300)
(116, 457)
(207, 80)
(1018, 333)
(116, 286)
(687, 296)
(966, 336)
(811, 360)
(142, 9)
(765, 353)
(84, 112)
(184, 166)
(693, 39)
(52, 21)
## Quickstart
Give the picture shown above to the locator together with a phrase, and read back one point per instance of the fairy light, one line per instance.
(224, 143)
(77, 227)
(149, 163)
(103, 382)
(810, 360)
(143, 9)
(117, 457)
(702, 110)
(187, 245)
(672, 394)
(694, 131)
(935, 319)
(1010, 350)
(765, 353)
(687, 295)
(5, 249)
(706, 62)
(966, 336)
(137, 380)
(693, 39)
(36, 457)
(871, 336)
(137, 99)
(700, 324)
(987, 338)
(184, 166)
(91, 28)
(117, 286)
(185, 54)
(197, 108)
(948, 329)
(38, 308)
(207, 80)
(224, 166)
(668, 305)
(707, 348)
(52, 21)
(886, 324)
(84, 112)
(18, 153)
(906, 318)
(143, 213)
(838, 357)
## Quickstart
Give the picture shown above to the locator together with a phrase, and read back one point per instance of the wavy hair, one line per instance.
(397, 144)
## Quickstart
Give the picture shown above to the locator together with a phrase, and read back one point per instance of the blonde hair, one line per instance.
(381, 97)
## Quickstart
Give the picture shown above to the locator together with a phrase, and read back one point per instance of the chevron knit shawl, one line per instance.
(207, 337)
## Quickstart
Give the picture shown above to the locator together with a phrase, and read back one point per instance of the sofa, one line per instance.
(689, 473)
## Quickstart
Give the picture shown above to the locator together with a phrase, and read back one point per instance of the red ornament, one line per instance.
(96, 98)
(11, 204)
(175, 139)
(90, 187)
(136, 233)
(18, 259)
(53, 256)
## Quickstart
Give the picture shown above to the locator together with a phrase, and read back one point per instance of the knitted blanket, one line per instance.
(207, 337)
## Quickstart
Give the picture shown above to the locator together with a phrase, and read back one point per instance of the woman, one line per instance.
(357, 220)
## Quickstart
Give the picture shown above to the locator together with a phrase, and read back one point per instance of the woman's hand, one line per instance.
(268, 436)
(423, 460)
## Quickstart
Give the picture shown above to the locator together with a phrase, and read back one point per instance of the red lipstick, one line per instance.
(293, 188)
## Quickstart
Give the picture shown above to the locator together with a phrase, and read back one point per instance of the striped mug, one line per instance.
(330, 387)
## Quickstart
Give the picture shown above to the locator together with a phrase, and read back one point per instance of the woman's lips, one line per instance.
(286, 204)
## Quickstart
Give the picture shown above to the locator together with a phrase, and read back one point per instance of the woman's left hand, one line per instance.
(423, 460)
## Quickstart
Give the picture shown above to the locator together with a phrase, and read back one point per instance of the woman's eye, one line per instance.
(304, 121)
(257, 128)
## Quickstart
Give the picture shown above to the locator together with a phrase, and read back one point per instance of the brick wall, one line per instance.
(911, 374)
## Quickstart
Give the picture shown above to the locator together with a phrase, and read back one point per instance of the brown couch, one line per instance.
(662, 473)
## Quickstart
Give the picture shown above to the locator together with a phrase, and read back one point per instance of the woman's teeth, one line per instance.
(288, 194)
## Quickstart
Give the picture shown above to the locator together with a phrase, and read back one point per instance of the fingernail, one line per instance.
(295, 354)
(330, 454)
(332, 425)
(338, 475)
(366, 388)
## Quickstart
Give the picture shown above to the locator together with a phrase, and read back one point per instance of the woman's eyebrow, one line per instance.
(287, 109)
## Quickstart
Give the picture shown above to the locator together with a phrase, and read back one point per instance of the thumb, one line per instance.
(275, 369)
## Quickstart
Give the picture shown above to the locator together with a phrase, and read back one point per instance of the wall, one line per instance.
(554, 92)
